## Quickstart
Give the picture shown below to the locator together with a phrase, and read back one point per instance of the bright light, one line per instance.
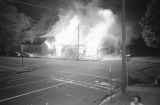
(49, 44)
(68, 33)
(94, 29)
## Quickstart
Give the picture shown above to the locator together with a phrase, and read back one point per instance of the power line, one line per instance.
(34, 5)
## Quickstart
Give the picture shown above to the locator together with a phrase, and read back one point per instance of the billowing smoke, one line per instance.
(40, 27)
(85, 24)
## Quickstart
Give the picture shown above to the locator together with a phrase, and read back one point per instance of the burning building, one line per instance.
(83, 30)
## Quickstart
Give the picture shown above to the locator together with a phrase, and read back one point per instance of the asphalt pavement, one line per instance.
(56, 83)
(51, 90)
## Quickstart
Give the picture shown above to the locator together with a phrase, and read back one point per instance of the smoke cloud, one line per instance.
(99, 24)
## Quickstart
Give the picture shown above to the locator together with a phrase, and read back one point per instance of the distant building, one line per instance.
(34, 48)
(31, 48)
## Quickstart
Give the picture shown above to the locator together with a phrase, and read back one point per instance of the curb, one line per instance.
(106, 100)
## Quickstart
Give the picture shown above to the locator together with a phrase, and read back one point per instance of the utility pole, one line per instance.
(124, 71)
(78, 44)
(21, 55)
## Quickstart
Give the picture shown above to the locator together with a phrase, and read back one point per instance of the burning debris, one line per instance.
(85, 30)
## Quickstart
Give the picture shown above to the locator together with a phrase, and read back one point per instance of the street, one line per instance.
(57, 82)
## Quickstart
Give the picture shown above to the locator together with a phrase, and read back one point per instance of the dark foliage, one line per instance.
(139, 48)
(150, 24)
(12, 25)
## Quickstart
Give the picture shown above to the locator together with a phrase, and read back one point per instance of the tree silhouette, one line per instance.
(12, 26)
(150, 24)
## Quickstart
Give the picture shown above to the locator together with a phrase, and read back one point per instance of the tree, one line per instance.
(150, 24)
(12, 25)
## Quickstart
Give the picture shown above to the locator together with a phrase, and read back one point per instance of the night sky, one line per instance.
(135, 9)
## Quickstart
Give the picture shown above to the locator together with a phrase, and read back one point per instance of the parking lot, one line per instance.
(55, 82)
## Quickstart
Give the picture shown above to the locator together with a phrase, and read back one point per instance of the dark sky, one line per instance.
(135, 9)
(32, 10)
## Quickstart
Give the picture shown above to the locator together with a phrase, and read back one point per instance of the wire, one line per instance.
(34, 5)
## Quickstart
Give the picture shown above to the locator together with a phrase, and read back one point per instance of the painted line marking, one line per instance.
(82, 74)
(54, 74)
(94, 76)
(82, 83)
(32, 92)
(28, 83)
(49, 77)
(58, 79)
(66, 81)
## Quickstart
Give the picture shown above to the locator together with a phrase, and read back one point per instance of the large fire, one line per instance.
(83, 30)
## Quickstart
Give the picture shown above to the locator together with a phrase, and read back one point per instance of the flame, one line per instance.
(50, 45)
(88, 29)
(68, 33)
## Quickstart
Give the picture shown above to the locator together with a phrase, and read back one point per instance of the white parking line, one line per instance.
(83, 74)
(32, 92)
(59, 79)
(85, 84)
(65, 81)
(25, 83)
(53, 74)
(43, 79)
